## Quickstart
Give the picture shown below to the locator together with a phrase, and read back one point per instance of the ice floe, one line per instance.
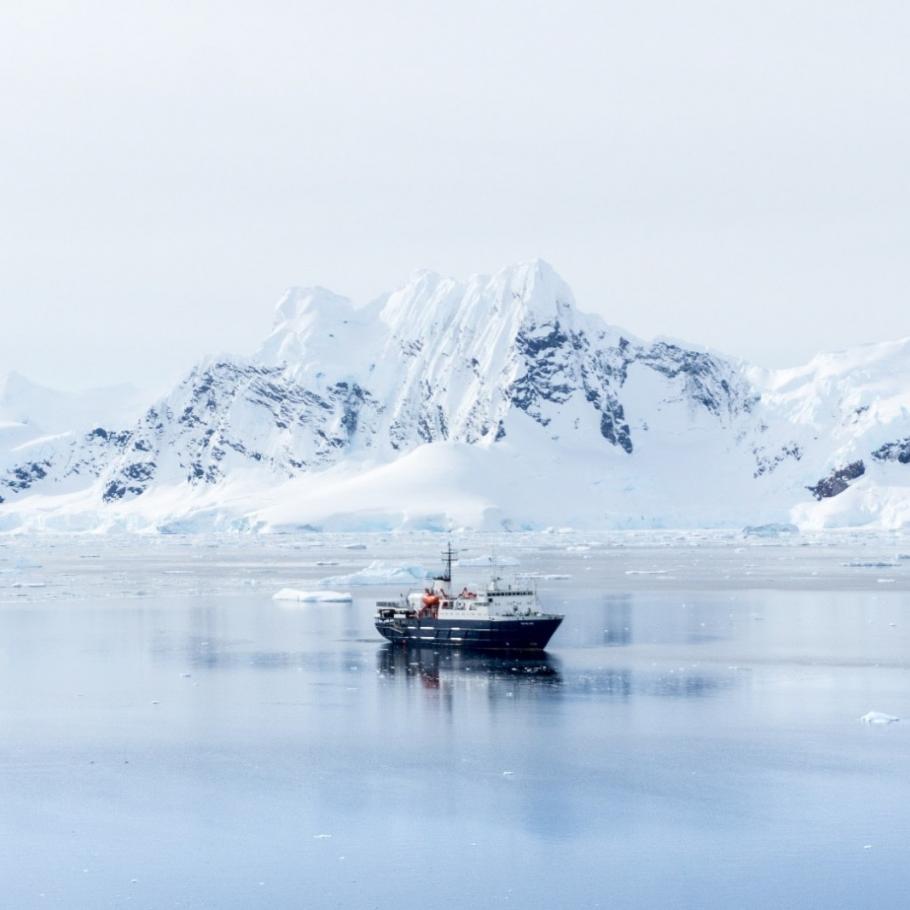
(312, 596)
(870, 565)
(878, 718)
(770, 530)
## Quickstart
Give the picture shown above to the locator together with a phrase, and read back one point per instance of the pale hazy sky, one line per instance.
(733, 173)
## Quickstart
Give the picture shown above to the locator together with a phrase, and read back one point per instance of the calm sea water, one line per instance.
(172, 737)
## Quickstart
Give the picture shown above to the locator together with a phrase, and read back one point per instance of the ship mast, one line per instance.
(448, 556)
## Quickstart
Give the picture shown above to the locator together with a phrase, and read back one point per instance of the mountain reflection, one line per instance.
(617, 620)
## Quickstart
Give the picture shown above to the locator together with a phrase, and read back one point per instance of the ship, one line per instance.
(501, 616)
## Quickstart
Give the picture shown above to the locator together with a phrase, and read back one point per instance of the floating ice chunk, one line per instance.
(29, 584)
(870, 565)
(321, 836)
(379, 573)
(484, 561)
(312, 596)
(353, 546)
(646, 571)
(770, 530)
(879, 718)
(540, 576)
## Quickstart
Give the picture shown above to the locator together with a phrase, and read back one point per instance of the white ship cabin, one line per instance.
(498, 599)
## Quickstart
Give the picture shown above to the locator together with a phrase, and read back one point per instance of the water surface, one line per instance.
(172, 737)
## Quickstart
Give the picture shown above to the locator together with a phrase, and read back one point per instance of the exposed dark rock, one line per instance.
(22, 477)
(894, 451)
(707, 379)
(767, 463)
(352, 399)
(837, 481)
(118, 440)
(532, 345)
(546, 377)
(140, 471)
(116, 490)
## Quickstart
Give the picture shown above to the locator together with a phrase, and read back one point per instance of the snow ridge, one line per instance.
(494, 403)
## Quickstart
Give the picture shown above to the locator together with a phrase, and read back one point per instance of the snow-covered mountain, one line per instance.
(491, 403)
(30, 412)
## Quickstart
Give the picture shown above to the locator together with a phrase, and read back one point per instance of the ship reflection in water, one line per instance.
(540, 675)
(433, 668)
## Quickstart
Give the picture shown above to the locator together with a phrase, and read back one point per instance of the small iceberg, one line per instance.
(379, 573)
(312, 596)
(878, 718)
(770, 530)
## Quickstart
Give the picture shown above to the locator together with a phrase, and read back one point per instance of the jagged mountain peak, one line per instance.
(570, 410)
(314, 329)
(429, 304)
(535, 283)
(302, 303)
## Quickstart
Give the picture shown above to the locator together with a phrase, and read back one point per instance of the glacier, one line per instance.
(488, 404)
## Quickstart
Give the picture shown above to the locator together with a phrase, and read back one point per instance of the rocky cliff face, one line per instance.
(496, 361)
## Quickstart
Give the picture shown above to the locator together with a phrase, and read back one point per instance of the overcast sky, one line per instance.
(736, 174)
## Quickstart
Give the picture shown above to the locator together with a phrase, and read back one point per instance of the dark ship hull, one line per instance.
(531, 634)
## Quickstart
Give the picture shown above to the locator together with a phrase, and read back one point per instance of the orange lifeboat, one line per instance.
(430, 605)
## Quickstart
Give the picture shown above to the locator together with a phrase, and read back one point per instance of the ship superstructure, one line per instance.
(498, 616)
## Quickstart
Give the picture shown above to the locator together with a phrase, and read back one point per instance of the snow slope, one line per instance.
(42, 411)
(491, 403)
